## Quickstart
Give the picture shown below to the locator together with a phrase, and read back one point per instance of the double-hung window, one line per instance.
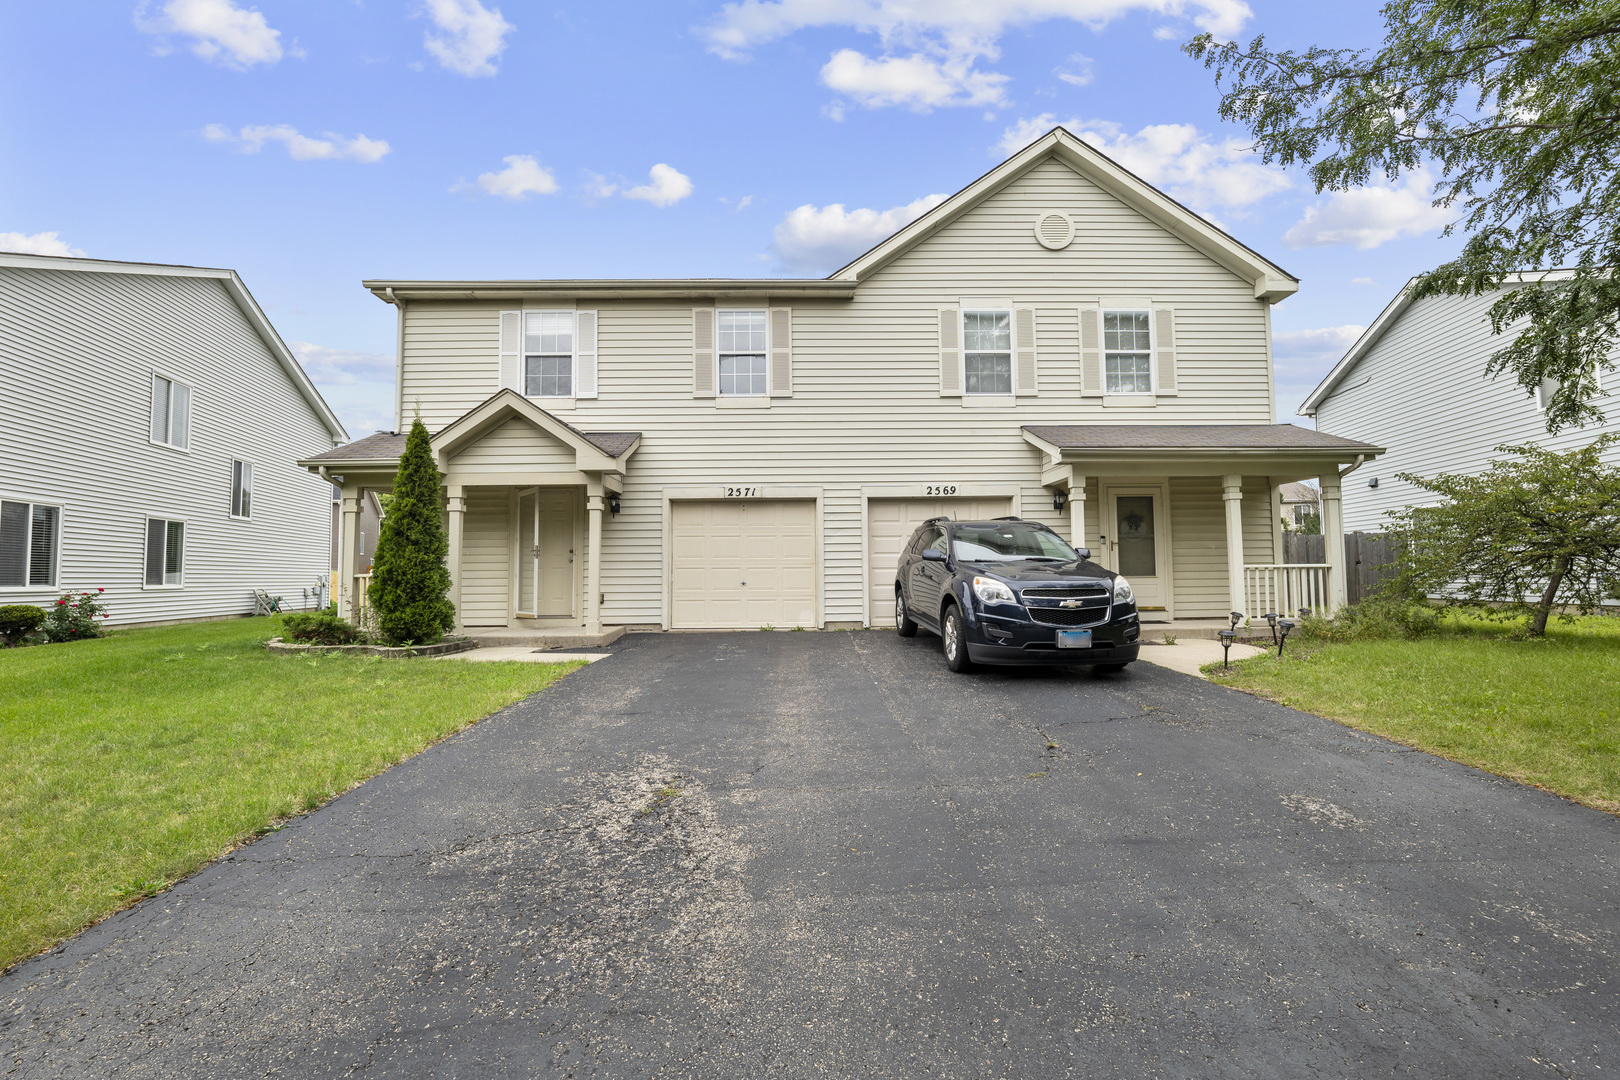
(987, 352)
(548, 354)
(241, 489)
(742, 351)
(165, 551)
(171, 412)
(1127, 352)
(29, 538)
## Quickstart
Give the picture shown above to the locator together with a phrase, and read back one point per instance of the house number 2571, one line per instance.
(742, 492)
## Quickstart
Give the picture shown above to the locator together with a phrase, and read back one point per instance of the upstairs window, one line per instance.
(241, 489)
(1127, 352)
(987, 352)
(165, 551)
(171, 412)
(548, 354)
(28, 544)
(742, 350)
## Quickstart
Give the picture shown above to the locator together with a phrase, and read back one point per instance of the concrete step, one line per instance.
(561, 637)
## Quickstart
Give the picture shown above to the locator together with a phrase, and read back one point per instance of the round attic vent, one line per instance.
(1054, 230)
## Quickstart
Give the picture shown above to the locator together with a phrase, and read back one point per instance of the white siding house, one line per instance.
(1415, 382)
(1058, 341)
(150, 421)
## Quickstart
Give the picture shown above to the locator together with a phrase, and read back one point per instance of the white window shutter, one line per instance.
(1164, 334)
(180, 418)
(1024, 377)
(781, 339)
(585, 354)
(950, 353)
(512, 351)
(1091, 384)
(703, 352)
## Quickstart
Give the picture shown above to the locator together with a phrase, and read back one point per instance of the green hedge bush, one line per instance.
(17, 621)
(318, 628)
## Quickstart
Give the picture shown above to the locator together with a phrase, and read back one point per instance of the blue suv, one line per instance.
(1013, 592)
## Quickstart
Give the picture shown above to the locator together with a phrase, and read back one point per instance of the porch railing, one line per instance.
(362, 603)
(1285, 588)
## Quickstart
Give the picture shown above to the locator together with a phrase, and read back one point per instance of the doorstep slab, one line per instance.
(1188, 655)
(526, 655)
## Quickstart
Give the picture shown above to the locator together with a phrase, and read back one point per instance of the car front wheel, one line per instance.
(902, 618)
(954, 635)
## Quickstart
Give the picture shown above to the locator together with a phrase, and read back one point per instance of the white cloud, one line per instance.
(596, 186)
(300, 147)
(472, 37)
(1362, 281)
(813, 238)
(1366, 217)
(219, 31)
(522, 177)
(1188, 164)
(1076, 70)
(358, 385)
(40, 243)
(918, 82)
(1313, 348)
(667, 187)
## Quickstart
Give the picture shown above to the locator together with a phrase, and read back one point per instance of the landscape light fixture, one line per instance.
(1286, 625)
(1059, 499)
(1226, 637)
(1237, 617)
(1271, 617)
(1304, 613)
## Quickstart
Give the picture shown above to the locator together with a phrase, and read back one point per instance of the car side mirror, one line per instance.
(933, 555)
(1084, 553)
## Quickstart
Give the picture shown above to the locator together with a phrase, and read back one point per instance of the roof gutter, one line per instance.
(393, 292)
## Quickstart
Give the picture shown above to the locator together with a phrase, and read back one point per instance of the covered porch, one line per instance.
(1191, 514)
(526, 496)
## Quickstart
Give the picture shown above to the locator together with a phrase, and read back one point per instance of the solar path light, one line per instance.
(1285, 625)
(1226, 637)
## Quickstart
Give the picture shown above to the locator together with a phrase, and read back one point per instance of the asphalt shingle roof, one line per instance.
(388, 446)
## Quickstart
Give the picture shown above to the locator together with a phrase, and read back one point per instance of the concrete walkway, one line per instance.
(1187, 656)
(525, 654)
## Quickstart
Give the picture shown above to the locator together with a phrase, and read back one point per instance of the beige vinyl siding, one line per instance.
(486, 545)
(76, 353)
(866, 408)
(1439, 345)
(514, 445)
(1198, 547)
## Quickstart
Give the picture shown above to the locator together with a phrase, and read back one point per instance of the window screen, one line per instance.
(1128, 352)
(28, 543)
(165, 551)
(987, 352)
(241, 489)
(742, 348)
(548, 354)
(171, 412)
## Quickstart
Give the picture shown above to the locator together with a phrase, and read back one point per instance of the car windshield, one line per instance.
(1009, 542)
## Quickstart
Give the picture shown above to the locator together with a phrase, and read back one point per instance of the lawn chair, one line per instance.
(265, 604)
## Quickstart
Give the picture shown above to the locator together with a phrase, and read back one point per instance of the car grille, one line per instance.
(1071, 592)
(1068, 616)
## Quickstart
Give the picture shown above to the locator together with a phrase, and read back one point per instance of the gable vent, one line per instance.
(1054, 230)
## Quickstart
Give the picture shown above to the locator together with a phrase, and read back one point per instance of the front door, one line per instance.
(545, 549)
(1137, 547)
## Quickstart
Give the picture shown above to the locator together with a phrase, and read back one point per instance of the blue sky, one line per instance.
(311, 143)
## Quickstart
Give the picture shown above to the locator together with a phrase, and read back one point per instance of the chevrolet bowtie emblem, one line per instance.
(1072, 603)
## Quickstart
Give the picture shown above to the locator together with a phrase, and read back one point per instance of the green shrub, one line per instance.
(1374, 620)
(17, 621)
(73, 616)
(409, 580)
(318, 628)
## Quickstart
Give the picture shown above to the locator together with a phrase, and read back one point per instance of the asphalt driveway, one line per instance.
(872, 868)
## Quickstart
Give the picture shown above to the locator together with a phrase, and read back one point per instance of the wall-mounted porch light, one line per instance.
(613, 503)
(1059, 499)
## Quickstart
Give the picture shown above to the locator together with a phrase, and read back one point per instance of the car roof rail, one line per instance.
(942, 517)
(1007, 518)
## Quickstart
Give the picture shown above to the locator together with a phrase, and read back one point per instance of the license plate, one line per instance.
(1074, 639)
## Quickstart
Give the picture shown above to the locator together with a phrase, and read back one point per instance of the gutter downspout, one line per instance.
(1361, 459)
(399, 362)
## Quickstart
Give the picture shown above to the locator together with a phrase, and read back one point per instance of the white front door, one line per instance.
(1137, 545)
(545, 548)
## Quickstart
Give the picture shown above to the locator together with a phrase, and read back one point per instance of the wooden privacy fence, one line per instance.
(1368, 559)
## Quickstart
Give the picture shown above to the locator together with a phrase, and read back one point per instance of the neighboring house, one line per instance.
(1301, 503)
(1415, 382)
(151, 421)
(1058, 341)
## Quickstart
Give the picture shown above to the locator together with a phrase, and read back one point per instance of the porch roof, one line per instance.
(385, 447)
(1217, 437)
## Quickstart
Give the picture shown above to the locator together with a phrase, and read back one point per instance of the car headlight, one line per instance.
(1122, 592)
(991, 591)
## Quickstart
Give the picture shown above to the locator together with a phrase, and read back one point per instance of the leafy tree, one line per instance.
(1518, 104)
(409, 579)
(1537, 530)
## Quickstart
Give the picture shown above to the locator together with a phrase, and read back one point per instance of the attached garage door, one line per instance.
(743, 564)
(890, 523)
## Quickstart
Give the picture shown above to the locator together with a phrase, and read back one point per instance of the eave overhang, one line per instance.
(616, 289)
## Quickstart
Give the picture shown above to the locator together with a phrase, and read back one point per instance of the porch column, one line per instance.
(1232, 495)
(1077, 511)
(455, 507)
(1333, 539)
(593, 565)
(348, 551)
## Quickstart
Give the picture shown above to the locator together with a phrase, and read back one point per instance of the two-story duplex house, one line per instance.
(1058, 341)
(150, 421)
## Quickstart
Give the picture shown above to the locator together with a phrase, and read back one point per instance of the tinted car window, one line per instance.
(1009, 542)
(931, 538)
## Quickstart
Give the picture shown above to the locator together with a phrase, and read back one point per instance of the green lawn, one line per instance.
(1541, 711)
(128, 762)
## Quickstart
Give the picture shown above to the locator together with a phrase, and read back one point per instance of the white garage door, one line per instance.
(890, 523)
(743, 564)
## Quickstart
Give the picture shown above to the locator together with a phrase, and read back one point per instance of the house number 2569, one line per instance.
(941, 489)
(742, 492)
